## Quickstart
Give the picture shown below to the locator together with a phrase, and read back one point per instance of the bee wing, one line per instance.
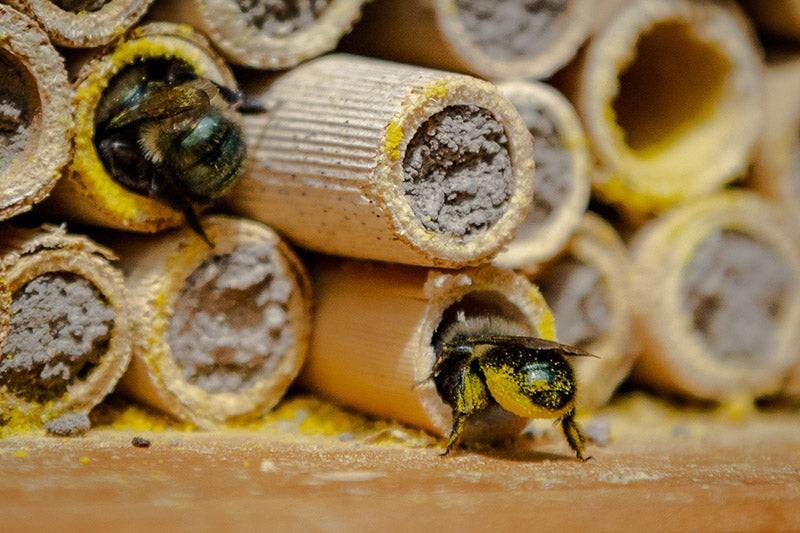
(186, 102)
(533, 343)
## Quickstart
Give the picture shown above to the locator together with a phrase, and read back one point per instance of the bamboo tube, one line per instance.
(587, 287)
(83, 23)
(718, 298)
(373, 342)
(68, 338)
(776, 171)
(378, 160)
(219, 334)
(509, 39)
(562, 173)
(88, 193)
(256, 35)
(670, 92)
(35, 114)
(778, 17)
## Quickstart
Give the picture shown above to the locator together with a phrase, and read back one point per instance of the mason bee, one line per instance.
(481, 361)
(163, 132)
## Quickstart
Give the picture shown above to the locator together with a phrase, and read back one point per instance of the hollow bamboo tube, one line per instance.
(68, 338)
(509, 39)
(83, 23)
(587, 286)
(778, 17)
(717, 291)
(253, 35)
(35, 114)
(219, 334)
(87, 192)
(670, 93)
(776, 171)
(378, 160)
(374, 325)
(562, 173)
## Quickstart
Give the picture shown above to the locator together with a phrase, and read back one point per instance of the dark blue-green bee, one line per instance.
(163, 132)
(479, 364)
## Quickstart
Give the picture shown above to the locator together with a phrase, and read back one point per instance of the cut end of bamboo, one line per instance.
(671, 96)
(587, 287)
(378, 160)
(718, 293)
(47, 371)
(561, 155)
(35, 114)
(88, 193)
(220, 333)
(84, 23)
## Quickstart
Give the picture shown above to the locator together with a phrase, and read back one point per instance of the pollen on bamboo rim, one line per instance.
(35, 113)
(670, 92)
(254, 35)
(561, 158)
(87, 192)
(776, 169)
(378, 160)
(68, 339)
(83, 23)
(219, 334)
(717, 298)
(374, 329)
(587, 286)
(777, 17)
(495, 40)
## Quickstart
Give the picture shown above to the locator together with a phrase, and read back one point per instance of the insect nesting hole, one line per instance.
(18, 107)
(280, 19)
(60, 328)
(79, 6)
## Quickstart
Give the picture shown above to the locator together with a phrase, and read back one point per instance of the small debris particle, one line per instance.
(268, 466)
(84, 459)
(140, 442)
(69, 425)
(20, 454)
(176, 442)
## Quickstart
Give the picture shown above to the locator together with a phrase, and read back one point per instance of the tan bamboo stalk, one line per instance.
(588, 288)
(717, 284)
(51, 370)
(374, 325)
(219, 334)
(494, 40)
(778, 17)
(87, 193)
(562, 173)
(670, 92)
(378, 160)
(35, 113)
(272, 38)
(83, 23)
(776, 171)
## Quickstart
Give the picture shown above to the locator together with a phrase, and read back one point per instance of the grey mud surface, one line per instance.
(14, 113)
(734, 288)
(230, 328)
(69, 425)
(553, 162)
(458, 175)
(280, 18)
(578, 298)
(59, 330)
(77, 6)
(510, 29)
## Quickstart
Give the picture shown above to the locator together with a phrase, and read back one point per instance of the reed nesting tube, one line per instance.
(377, 160)
(717, 292)
(219, 334)
(35, 114)
(69, 338)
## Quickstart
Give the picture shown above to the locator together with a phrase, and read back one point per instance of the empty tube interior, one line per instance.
(60, 328)
(230, 327)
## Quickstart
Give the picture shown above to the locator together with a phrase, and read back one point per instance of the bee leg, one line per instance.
(574, 435)
(459, 422)
(163, 187)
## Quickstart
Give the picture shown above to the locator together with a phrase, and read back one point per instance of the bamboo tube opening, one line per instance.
(285, 19)
(78, 6)
(671, 95)
(737, 288)
(89, 193)
(60, 329)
